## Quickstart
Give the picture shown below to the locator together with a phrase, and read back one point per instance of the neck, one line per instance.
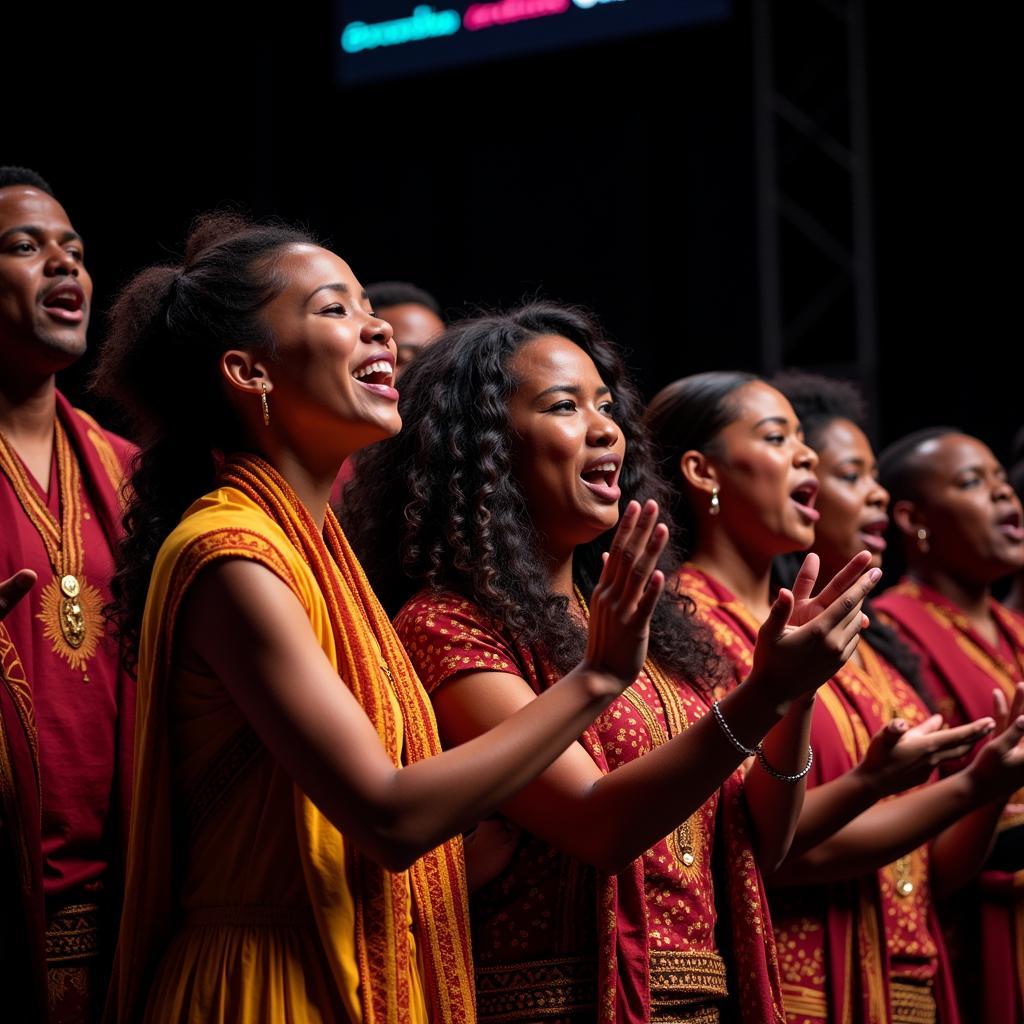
(560, 575)
(970, 596)
(311, 485)
(27, 410)
(746, 574)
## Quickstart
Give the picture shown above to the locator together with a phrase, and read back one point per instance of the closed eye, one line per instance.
(335, 309)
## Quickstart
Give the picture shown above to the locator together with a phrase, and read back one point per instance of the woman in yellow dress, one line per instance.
(290, 856)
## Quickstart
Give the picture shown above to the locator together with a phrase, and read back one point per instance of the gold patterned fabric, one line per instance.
(686, 985)
(74, 987)
(913, 1002)
(548, 990)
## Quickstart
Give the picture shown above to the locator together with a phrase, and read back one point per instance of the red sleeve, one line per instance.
(447, 636)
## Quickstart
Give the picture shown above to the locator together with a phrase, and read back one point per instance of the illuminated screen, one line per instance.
(388, 38)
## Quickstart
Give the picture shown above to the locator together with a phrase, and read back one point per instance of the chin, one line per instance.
(63, 347)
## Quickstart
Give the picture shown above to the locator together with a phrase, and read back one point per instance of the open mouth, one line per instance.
(804, 497)
(1010, 525)
(65, 302)
(377, 375)
(872, 535)
(601, 476)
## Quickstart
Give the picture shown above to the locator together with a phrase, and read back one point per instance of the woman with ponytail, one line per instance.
(876, 880)
(292, 854)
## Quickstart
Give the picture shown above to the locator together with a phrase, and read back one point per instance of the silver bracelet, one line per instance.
(730, 735)
(781, 776)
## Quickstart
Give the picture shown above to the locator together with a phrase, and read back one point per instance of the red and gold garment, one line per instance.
(985, 925)
(836, 944)
(556, 940)
(66, 724)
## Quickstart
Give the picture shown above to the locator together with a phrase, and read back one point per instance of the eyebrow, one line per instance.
(334, 286)
(571, 389)
(38, 234)
(781, 420)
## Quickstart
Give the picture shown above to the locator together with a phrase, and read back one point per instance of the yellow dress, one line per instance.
(252, 917)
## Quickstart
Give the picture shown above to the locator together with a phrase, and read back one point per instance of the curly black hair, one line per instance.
(819, 401)
(439, 506)
(168, 328)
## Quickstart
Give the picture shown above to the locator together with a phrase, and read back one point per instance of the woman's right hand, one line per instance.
(998, 770)
(14, 589)
(805, 640)
(625, 596)
(901, 757)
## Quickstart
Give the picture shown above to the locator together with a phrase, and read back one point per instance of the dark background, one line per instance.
(619, 176)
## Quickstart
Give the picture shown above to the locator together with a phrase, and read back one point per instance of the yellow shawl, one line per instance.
(362, 910)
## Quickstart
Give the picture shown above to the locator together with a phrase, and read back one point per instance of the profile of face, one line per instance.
(567, 448)
(45, 290)
(970, 514)
(851, 502)
(414, 327)
(330, 385)
(764, 473)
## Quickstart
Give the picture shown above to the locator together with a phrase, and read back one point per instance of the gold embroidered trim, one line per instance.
(677, 974)
(535, 990)
(804, 1002)
(73, 933)
(913, 1002)
(690, 1015)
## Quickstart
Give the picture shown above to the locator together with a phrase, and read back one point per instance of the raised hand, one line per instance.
(901, 757)
(14, 589)
(623, 600)
(998, 770)
(805, 641)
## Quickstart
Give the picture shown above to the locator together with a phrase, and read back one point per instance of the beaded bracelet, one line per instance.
(730, 735)
(781, 776)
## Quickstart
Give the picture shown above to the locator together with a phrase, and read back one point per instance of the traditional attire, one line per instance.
(962, 668)
(556, 940)
(66, 724)
(243, 902)
(855, 953)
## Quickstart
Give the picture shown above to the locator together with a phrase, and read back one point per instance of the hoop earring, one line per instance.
(922, 541)
(716, 506)
(266, 407)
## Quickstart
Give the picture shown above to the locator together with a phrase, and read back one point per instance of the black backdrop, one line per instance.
(619, 176)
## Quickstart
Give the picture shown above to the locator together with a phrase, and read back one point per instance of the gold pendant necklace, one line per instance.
(70, 608)
(680, 841)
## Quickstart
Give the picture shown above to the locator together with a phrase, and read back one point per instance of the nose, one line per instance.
(1003, 491)
(878, 497)
(602, 431)
(376, 331)
(61, 262)
(805, 457)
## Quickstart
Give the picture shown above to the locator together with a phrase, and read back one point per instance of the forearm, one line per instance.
(960, 851)
(775, 805)
(429, 801)
(828, 807)
(628, 810)
(883, 833)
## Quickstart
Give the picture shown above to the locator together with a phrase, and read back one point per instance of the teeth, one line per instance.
(381, 366)
(605, 467)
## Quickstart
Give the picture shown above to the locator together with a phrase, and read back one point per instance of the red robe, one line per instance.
(986, 923)
(554, 938)
(66, 728)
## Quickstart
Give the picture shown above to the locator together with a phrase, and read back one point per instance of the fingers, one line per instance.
(1017, 707)
(650, 597)
(803, 586)
(638, 545)
(845, 578)
(969, 734)
(931, 724)
(1010, 736)
(892, 732)
(14, 589)
(844, 610)
(627, 524)
(1000, 711)
(778, 615)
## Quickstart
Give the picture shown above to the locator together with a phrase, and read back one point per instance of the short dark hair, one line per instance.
(899, 468)
(818, 401)
(399, 293)
(13, 175)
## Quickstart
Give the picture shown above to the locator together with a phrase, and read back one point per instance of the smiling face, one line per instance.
(972, 516)
(765, 474)
(568, 449)
(851, 501)
(330, 384)
(45, 290)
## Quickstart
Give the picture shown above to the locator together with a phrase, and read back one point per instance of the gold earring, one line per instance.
(715, 506)
(266, 408)
(922, 541)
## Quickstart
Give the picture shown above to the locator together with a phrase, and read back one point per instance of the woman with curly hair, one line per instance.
(291, 855)
(958, 528)
(876, 880)
(485, 523)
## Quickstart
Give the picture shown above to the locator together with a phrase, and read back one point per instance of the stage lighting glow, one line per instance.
(423, 23)
(505, 12)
